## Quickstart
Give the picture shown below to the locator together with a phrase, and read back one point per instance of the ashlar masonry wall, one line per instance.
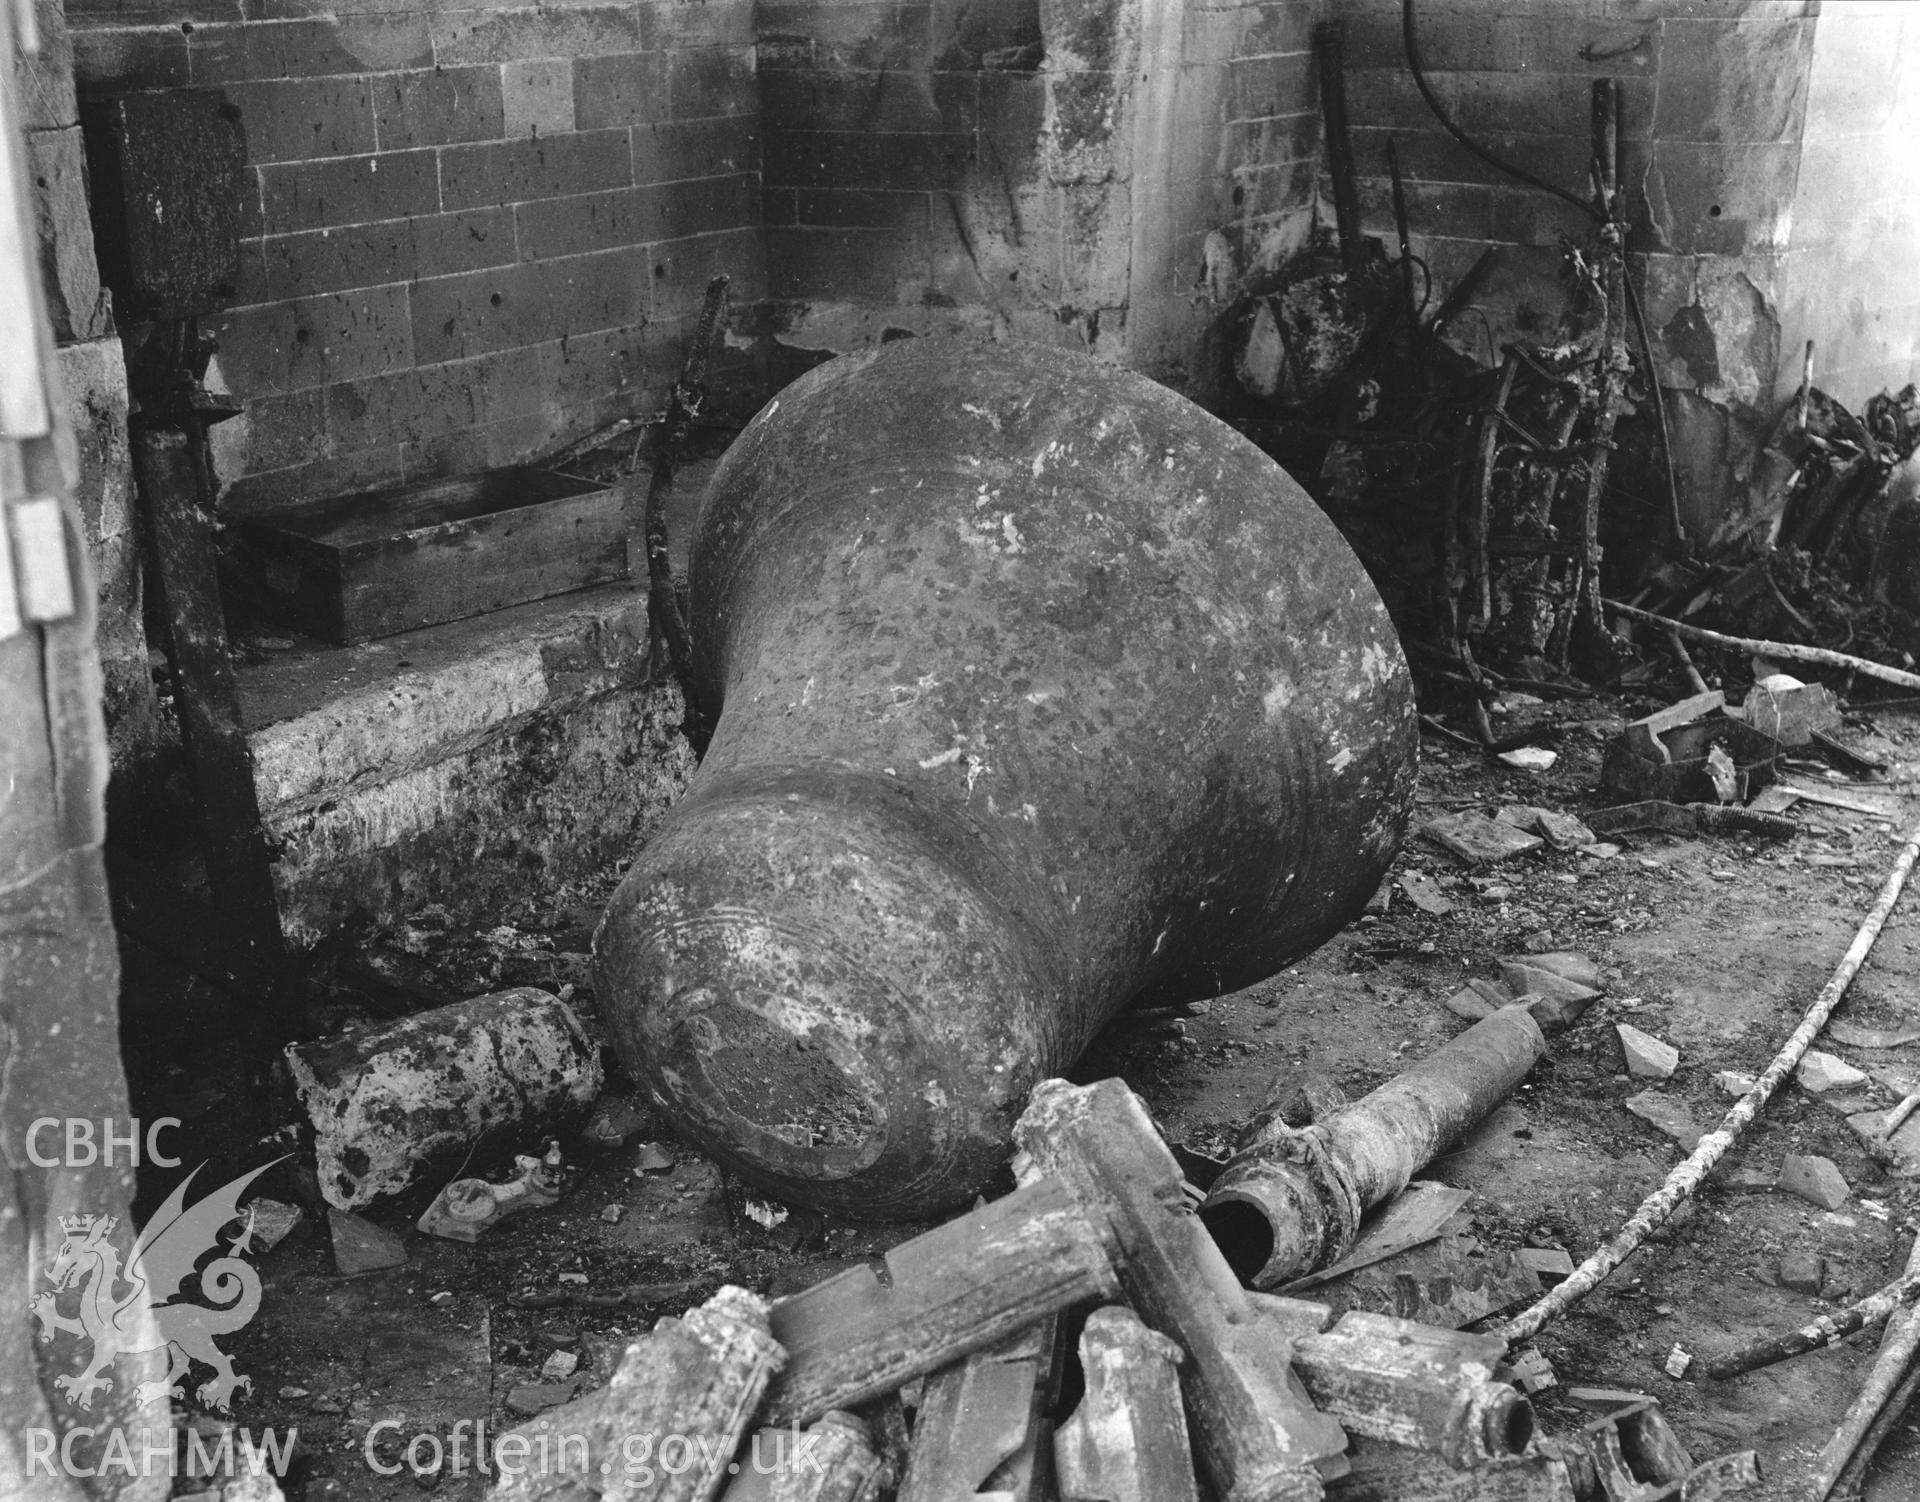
(1771, 180)
(473, 232)
(1100, 173)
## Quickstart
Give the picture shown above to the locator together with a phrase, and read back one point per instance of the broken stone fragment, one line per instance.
(1528, 1370)
(652, 1158)
(616, 1121)
(359, 1246)
(1471, 1003)
(1821, 1072)
(1554, 1013)
(559, 1365)
(1576, 968)
(1816, 1180)
(1678, 1362)
(1477, 839)
(1901, 1151)
(1647, 1057)
(1425, 894)
(1530, 758)
(1551, 1264)
(1529, 977)
(1803, 1272)
(271, 1222)
(1733, 1082)
(1562, 831)
(415, 1101)
(1667, 1115)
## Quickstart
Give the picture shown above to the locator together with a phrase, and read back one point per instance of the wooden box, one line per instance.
(362, 566)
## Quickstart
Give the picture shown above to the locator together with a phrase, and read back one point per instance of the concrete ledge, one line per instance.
(464, 764)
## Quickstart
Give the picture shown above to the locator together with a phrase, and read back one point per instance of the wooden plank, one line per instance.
(239, 865)
(353, 569)
(982, 1424)
(968, 1284)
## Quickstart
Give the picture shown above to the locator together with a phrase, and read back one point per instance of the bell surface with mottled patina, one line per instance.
(1040, 692)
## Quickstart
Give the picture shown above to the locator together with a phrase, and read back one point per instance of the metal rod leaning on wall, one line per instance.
(1291, 1200)
(1688, 1175)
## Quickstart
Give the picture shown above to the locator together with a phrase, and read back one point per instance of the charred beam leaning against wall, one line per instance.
(165, 168)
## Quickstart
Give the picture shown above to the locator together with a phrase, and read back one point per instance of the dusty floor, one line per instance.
(1716, 945)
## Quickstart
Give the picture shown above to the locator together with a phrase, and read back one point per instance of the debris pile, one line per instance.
(1185, 1377)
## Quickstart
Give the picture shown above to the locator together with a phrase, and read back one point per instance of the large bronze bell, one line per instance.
(1040, 692)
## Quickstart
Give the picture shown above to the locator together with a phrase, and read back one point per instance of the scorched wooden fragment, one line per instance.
(969, 1284)
(1127, 1441)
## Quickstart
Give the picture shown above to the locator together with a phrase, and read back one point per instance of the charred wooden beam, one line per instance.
(969, 1284)
(982, 1425)
(1256, 1432)
(1330, 52)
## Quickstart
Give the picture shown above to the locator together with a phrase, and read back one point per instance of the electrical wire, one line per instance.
(1409, 32)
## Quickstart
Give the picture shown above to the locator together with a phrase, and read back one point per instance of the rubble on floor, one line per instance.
(1548, 935)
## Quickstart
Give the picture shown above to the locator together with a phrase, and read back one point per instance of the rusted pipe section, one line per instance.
(1041, 691)
(1291, 1199)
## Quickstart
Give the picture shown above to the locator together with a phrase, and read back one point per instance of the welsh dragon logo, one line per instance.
(145, 1314)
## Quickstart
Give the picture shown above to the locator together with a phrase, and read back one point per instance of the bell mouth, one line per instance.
(774, 1076)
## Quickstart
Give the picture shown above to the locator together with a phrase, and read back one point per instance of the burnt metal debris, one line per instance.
(384, 1109)
(1192, 1379)
(1291, 1199)
(1039, 692)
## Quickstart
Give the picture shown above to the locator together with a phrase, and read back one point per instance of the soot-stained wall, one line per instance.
(471, 233)
(1091, 172)
(1771, 187)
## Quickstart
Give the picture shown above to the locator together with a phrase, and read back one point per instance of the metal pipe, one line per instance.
(1291, 1200)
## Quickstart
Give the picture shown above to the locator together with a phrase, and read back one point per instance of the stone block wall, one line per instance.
(1090, 172)
(473, 233)
(1713, 101)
